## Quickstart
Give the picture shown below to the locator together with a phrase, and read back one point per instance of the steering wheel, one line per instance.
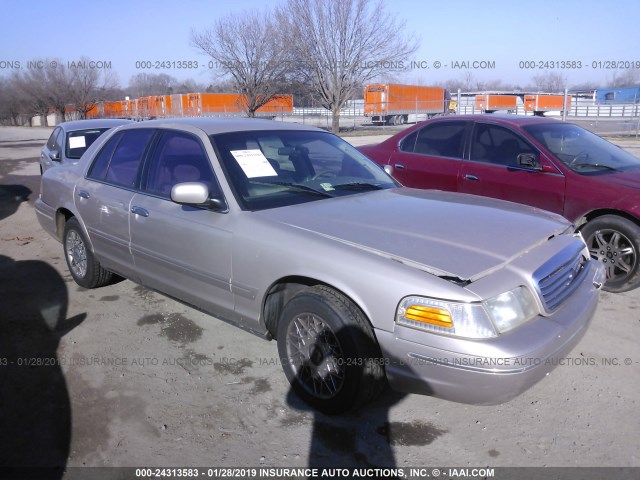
(582, 154)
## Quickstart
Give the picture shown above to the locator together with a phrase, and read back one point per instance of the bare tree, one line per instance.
(59, 88)
(469, 82)
(624, 78)
(188, 86)
(145, 84)
(54, 86)
(89, 86)
(549, 82)
(224, 86)
(33, 86)
(14, 108)
(250, 48)
(340, 45)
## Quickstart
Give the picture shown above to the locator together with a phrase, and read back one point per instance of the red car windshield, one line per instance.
(581, 150)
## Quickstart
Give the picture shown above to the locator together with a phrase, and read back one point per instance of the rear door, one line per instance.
(104, 198)
(181, 250)
(492, 170)
(431, 156)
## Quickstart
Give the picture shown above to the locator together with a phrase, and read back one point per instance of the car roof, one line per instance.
(504, 118)
(515, 121)
(214, 125)
(93, 123)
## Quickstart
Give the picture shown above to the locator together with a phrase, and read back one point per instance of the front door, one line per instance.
(181, 250)
(492, 170)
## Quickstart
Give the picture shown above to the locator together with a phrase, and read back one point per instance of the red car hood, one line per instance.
(629, 179)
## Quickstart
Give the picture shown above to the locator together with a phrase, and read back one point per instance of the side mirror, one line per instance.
(196, 194)
(55, 155)
(388, 169)
(529, 160)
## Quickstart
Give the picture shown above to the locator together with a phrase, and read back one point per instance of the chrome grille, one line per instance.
(556, 286)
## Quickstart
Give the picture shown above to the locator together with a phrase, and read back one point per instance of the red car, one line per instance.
(537, 161)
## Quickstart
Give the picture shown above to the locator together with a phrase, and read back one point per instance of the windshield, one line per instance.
(79, 140)
(581, 150)
(268, 169)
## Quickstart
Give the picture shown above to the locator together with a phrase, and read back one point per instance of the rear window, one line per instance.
(79, 140)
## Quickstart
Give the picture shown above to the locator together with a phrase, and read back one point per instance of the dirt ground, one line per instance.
(122, 376)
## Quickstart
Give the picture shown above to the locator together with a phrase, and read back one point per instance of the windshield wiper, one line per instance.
(357, 186)
(593, 165)
(301, 188)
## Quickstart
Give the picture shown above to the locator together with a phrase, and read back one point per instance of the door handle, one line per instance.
(140, 211)
(468, 176)
(399, 166)
(83, 194)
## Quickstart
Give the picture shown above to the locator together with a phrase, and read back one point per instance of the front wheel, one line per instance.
(84, 268)
(328, 351)
(615, 241)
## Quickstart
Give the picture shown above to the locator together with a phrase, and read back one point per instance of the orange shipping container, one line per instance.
(113, 110)
(491, 103)
(394, 103)
(202, 104)
(177, 105)
(94, 112)
(188, 104)
(278, 105)
(538, 104)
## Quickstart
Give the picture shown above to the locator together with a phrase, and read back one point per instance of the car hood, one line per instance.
(447, 234)
(628, 179)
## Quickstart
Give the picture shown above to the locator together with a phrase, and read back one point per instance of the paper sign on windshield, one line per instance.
(254, 163)
(77, 142)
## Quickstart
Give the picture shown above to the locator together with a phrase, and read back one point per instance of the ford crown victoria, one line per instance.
(289, 232)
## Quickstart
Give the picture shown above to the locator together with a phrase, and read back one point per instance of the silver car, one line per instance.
(289, 232)
(70, 140)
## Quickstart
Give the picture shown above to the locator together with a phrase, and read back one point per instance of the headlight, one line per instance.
(471, 320)
(512, 308)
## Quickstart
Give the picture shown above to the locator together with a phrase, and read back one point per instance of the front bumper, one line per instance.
(504, 367)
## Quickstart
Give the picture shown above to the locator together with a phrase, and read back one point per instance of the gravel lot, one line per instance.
(122, 376)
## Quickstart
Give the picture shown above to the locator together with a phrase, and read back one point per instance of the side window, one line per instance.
(442, 139)
(101, 163)
(498, 145)
(408, 143)
(52, 138)
(59, 143)
(55, 140)
(178, 157)
(119, 159)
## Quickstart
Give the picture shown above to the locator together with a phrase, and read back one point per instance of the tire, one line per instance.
(615, 241)
(84, 268)
(329, 352)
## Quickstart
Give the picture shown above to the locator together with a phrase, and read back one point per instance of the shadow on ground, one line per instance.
(11, 196)
(35, 410)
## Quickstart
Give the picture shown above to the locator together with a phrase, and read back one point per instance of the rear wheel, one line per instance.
(328, 351)
(84, 268)
(615, 241)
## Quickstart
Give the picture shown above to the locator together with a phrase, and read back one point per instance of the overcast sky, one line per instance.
(581, 39)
